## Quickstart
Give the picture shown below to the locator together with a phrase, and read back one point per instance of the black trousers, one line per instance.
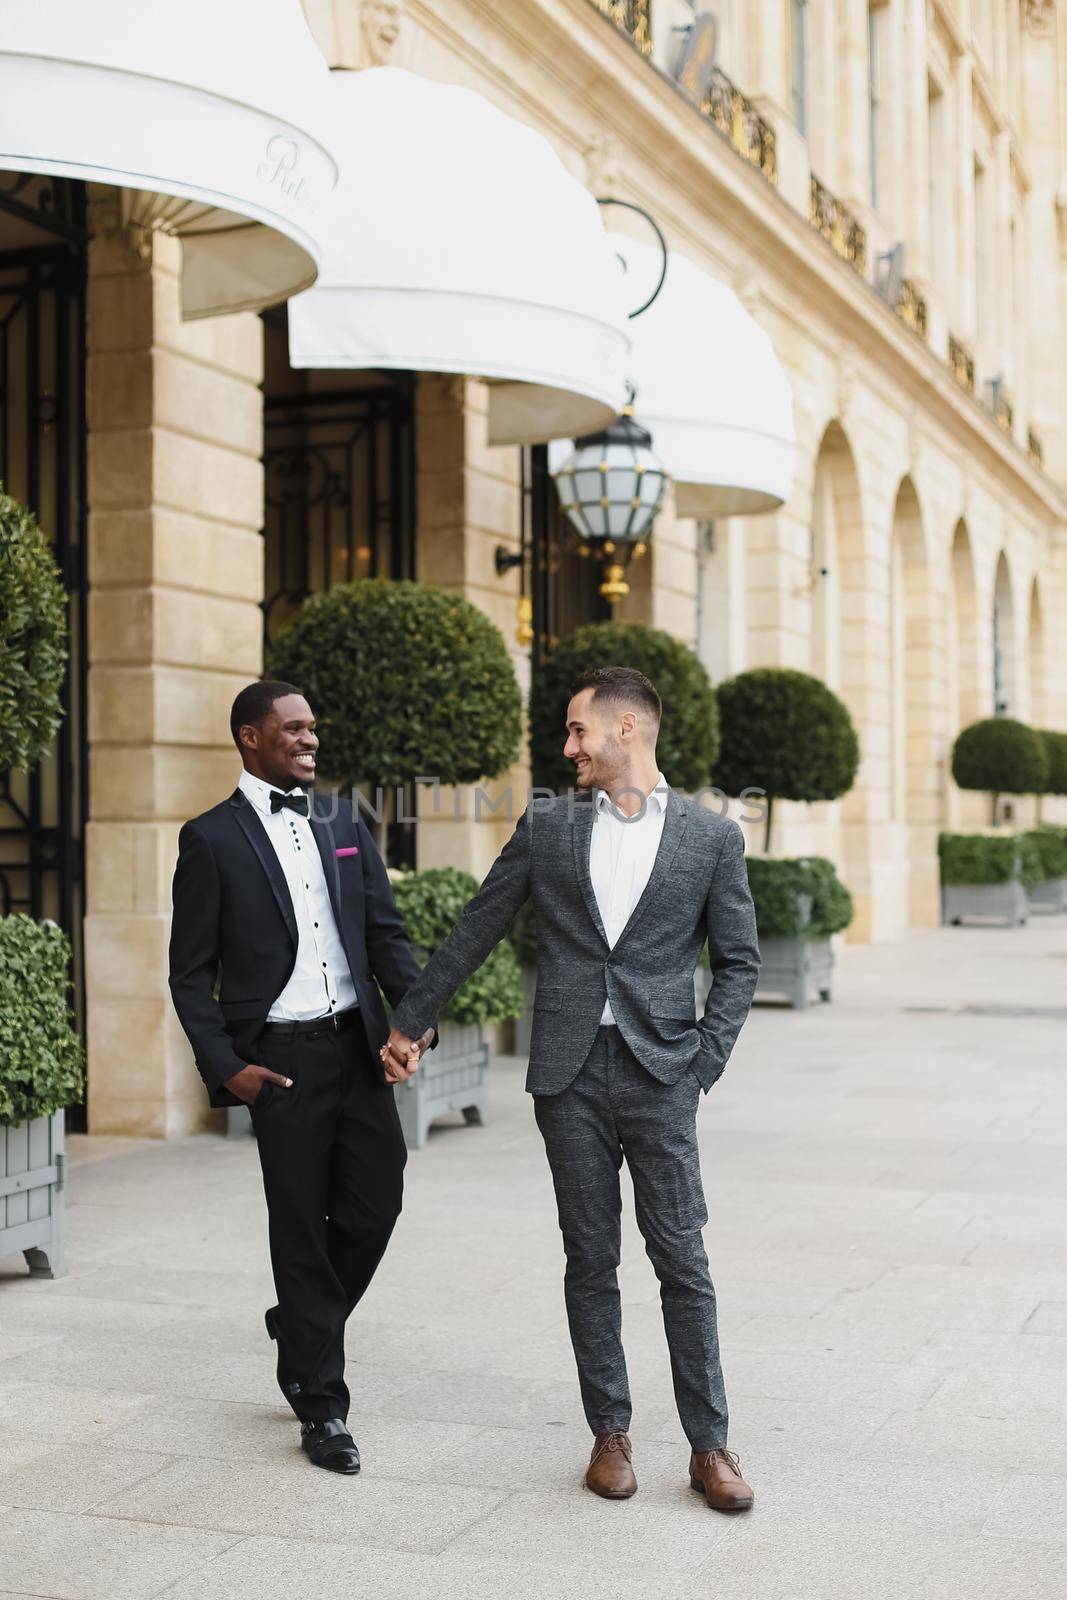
(333, 1157)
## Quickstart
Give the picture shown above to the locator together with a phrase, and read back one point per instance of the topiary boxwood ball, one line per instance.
(405, 680)
(1056, 750)
(33, 638)
(689, 733)
(1000, 756)
(787, 734)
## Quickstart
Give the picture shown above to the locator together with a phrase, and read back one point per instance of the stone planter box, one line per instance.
(1048, 896)
(31, 1194)
(984, 902)
(801, 970)
(450, 1078)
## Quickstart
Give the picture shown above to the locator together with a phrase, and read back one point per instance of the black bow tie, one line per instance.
(295, 802)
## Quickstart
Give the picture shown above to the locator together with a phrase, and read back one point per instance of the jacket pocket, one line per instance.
(675, 1005)
(243, 1010)
(548, 999)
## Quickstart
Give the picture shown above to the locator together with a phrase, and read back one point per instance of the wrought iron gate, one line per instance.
(42, 463)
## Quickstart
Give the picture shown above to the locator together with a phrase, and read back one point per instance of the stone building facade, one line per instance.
(880, 185)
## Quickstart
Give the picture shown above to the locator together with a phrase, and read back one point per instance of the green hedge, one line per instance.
(777, 887)
(1000, 756)
(1050, 842)
(405, 680)
(430, 903)
(980, 858)
(33, 638)
(41, 1057)
(689, 734)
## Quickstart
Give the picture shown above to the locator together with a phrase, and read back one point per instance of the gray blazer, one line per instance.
(698, 891)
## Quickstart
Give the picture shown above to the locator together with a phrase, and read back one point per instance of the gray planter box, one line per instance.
(801, 970)
(984, 902)
(450, 1078)
(31, 1194)
(1048, 896)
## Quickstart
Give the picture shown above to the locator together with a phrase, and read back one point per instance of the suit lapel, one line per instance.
(675, 822)
(582, 832)
(254, 831)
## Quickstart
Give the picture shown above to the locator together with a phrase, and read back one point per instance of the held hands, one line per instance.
(247, 1083)
(400, 1055)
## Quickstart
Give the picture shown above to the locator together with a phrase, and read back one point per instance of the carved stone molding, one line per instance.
(357, 33)
(602, 164)
(1039, 17)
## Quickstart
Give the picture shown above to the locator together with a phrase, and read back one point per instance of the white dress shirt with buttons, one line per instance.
(622, 853)
(320, 982)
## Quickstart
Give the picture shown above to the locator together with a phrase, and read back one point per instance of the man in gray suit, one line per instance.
(628, 879)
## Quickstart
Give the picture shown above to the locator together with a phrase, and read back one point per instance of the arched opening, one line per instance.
(917, 706)
(849, 615)
(966, 701)
(1005, 665)
(1038, 687)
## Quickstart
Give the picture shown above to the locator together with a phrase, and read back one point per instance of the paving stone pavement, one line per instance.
(886, 1179)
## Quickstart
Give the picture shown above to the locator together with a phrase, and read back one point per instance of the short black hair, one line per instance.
(621, 686)
(254, 703)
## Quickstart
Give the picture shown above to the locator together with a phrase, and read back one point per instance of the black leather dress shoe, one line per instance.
(289, 1389)
(330, 1445)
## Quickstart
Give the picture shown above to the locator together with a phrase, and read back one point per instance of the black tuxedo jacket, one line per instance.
(234, 936)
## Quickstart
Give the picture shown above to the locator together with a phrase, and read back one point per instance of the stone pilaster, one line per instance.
(175, 571)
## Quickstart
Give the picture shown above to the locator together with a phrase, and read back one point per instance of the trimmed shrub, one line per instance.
(430, 903)
(33, 638)
(1000, 756)
(778, 888)
(41, 1056)
(689, 734)
(980, 858)
(1050, 842)
(786, 734)
(405, 680)
(1056, 752)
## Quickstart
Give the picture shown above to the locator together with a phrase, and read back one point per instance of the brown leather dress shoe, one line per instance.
(609, 1472)
(717, 1475)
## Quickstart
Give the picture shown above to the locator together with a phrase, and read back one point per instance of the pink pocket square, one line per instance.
(347, 850)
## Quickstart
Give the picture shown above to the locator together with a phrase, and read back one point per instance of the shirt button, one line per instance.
(316, 924)
(324, 964)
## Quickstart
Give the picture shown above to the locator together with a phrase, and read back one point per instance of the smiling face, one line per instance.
(598, 738)
(281, 749)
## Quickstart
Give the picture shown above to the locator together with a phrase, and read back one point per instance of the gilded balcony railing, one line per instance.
(910, 307)
(1003, 411)
(961, 363)
(634, 17)
(838, 226)
(1035, 449)
(738, 120)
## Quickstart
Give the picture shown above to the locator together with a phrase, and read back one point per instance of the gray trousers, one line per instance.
(613, 1110)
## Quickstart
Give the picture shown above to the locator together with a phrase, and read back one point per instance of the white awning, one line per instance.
(461, 244)
(709, 388)
(212, 114)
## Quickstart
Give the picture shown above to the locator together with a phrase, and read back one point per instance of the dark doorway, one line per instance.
(565, 577)
(339, 460)
(43, 246)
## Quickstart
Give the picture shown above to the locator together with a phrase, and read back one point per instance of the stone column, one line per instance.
(175, 572)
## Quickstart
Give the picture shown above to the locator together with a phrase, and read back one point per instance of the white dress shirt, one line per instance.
(622, 853)
(320, 981)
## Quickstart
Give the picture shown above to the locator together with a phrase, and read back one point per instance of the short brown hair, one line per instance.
(622, 686)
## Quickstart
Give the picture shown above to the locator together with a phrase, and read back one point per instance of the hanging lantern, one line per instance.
(611, 488)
